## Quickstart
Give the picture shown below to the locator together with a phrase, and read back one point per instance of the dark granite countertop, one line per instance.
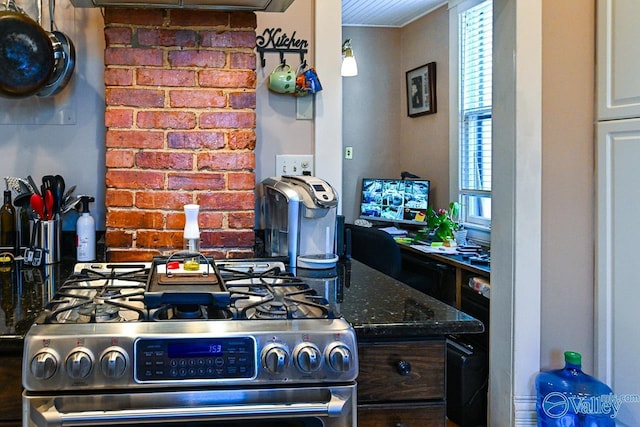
(376, 305)
(380, 307)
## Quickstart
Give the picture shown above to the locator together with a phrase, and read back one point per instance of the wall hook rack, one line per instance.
(274, 40)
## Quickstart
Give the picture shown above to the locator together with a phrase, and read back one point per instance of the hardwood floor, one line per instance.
(451, 423)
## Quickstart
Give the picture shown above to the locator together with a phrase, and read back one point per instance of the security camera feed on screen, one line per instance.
(395, 200)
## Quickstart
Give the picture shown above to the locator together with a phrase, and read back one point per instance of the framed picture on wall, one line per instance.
(421, 90)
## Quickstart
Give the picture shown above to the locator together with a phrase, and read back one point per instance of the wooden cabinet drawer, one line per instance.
(380, 377)
(409, 415)
(11, 390)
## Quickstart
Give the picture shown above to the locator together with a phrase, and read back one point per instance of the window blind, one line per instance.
(476, 31)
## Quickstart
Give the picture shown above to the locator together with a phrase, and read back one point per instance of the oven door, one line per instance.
(330, 406)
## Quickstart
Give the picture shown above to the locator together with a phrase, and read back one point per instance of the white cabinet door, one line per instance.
(618, 269)
(618, 59)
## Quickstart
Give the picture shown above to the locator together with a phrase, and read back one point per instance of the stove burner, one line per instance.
(100, 312)
(274, 310)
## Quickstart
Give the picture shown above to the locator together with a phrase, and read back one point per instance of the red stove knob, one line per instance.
(78, 364)
(339, 357)
(307, 357)
(275, 358)
(113, 363)
(44, 365)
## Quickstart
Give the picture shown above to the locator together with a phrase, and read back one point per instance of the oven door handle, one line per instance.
(337, 406)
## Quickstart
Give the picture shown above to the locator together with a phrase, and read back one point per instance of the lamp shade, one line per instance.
(349, 64)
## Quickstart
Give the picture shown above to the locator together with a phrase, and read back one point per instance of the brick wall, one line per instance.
(180, 117)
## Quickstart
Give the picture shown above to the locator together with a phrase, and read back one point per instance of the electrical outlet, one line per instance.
(348, 153)
(294, 164)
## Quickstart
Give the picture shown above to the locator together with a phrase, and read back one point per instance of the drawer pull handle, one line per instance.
(403, 367)
(401, 425)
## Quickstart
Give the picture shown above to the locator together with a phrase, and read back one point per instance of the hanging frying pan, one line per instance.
(65, 61)
(27, 61)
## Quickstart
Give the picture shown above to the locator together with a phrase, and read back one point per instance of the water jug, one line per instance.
(570, 398)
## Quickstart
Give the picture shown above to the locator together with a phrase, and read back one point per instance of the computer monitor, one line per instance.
(402, 201)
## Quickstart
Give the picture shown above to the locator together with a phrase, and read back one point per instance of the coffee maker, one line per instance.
(298, 214)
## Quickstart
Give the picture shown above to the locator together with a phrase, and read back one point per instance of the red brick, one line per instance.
(228, 201)
(228, 119)
(136, 219)
(197, 58)
(241, 181)
(227, 79)
(119, 158)
(197, 98)
(243, 20)
(131, 255)
(164, 160)
(119, 238)
(132, 56)
(162, 37)
(117, 35)
(198, 18)
(134, 139)
(241, 220)
(195, 181)
(195, 140)
(242, 60)
(172, 78)
(235, 39)
(206, 220)
(240, 254)
(166, 120)
(134, 179)
(228, 239)
(162, 199)
(134, 97)
(118, 77)
(240, 140)
(133, 16)
(118, 198)
(226, 161)
(240, 100)
(118, 117)
(159, 239)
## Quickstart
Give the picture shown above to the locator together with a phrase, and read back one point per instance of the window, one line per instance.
(473, 113)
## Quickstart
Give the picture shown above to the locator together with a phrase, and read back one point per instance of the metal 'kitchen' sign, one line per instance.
(276, 40)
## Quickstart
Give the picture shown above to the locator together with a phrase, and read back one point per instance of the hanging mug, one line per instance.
(282, 79)
(307, 81)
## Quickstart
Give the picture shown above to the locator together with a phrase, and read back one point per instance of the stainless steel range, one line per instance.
(238, 343)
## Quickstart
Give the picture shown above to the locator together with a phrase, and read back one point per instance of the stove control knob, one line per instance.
(339, 357)
(307, 357)
(44, 364)
(78, 364)
(275, 358)
(113, 363)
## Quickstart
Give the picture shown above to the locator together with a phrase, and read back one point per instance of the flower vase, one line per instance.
(460, 237)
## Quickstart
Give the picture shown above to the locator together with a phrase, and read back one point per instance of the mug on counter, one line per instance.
(282, 79)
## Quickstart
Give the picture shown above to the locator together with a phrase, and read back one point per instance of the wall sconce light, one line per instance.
(349, 64)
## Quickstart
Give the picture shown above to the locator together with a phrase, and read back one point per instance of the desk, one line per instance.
(463, 267)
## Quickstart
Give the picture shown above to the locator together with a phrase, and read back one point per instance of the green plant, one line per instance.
(443, 222)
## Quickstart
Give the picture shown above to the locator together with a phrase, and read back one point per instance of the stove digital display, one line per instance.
(195, 359)
(194, 349)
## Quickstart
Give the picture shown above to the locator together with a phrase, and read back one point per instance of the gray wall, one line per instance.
(385, 140)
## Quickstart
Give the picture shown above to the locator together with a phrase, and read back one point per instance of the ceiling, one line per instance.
(386, 13)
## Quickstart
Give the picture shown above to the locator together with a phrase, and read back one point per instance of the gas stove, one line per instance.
(159, 324)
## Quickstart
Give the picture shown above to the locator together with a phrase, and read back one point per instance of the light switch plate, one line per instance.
(304, 107)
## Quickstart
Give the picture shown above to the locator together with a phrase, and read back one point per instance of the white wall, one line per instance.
(75, 147)
(277, 130)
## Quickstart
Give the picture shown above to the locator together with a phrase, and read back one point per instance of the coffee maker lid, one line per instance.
(321, 193)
